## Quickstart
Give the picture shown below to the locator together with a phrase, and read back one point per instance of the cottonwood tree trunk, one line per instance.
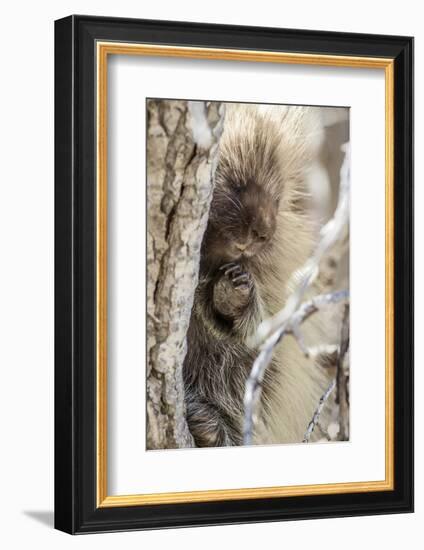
(182, 150)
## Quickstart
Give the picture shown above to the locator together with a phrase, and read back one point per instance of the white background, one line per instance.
(131, 80)
(26, 276)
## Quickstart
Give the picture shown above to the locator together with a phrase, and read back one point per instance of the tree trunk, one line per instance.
(182, 150)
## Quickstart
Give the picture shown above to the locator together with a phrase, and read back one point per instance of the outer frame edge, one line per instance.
(64, 486)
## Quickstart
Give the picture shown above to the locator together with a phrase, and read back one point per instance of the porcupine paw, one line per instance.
(208, 427)
(233, 290)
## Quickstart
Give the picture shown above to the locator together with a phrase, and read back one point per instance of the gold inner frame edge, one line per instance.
(103, 49)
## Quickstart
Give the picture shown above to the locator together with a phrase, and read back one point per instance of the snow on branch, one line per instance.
(288, 320)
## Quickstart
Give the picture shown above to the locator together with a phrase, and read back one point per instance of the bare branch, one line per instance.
(318, 411)
(323, 430)
(292, 326)
(305, 311)
(341, 382)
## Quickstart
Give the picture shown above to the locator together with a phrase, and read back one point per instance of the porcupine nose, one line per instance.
(241, 247)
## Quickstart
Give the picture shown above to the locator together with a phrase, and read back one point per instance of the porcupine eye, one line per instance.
(261, 237)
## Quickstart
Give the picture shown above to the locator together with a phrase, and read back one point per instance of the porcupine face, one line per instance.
(242, 221)
(248, 187)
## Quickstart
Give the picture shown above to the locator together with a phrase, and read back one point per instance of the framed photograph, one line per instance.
(234, 274)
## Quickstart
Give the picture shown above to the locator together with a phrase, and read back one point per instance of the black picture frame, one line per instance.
(76, 510)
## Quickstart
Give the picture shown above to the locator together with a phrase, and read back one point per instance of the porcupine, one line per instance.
(256, 238)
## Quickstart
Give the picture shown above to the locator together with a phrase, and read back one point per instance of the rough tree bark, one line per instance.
(342, 379)
(182, 150)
